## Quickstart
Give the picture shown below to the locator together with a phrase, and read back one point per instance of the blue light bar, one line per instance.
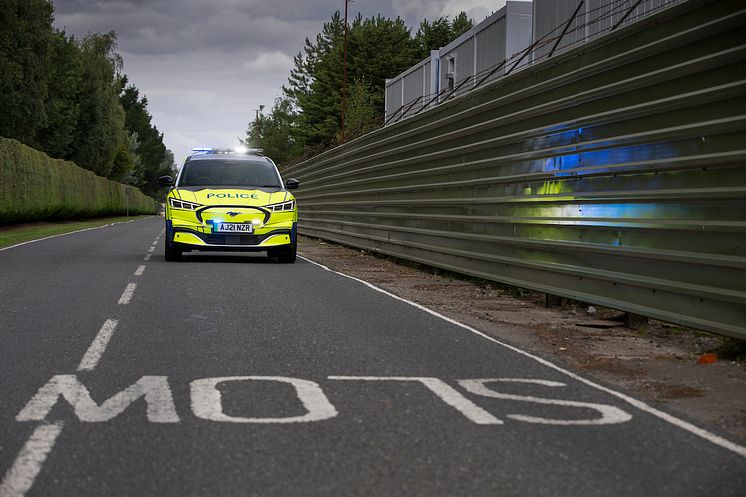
(226, 151)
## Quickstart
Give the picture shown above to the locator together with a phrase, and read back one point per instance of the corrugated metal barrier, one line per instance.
(613, 173)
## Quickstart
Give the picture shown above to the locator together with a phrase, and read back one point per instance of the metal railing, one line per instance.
(613, 173)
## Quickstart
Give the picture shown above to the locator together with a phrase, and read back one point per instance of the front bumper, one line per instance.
(190, 230)
(193, 240)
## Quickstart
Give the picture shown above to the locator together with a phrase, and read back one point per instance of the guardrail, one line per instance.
(613, 173)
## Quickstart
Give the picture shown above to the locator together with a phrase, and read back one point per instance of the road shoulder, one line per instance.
(657, 362)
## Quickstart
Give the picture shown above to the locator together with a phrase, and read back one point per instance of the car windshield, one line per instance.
(229, 172)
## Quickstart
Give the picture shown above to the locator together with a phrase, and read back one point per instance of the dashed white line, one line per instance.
(152, 248)
(155, 243)
(140, 269)
(20, 477)
(147, 257)
(97, 348)
(127, 295)
(679, 423)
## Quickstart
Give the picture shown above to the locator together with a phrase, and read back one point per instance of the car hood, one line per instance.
(232, 196)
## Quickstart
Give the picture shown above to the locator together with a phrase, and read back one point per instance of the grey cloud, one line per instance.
(145, 31)
(178, 26)
(205, 66)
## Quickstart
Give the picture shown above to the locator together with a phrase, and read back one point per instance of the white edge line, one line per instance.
(129, 291)
(98, 347)
(680, 423)
(20, 477)
(70, 233)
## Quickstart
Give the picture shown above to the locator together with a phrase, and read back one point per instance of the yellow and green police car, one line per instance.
(230, 200)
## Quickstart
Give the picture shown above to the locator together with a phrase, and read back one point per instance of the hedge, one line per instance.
(33, 186)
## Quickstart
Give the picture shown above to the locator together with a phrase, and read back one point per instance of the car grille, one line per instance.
(234, 239)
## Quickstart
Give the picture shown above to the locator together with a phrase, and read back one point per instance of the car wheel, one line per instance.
(171, 252)
(286, 256)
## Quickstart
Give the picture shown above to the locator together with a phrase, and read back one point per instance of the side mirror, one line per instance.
(292, 183)
(165, 181)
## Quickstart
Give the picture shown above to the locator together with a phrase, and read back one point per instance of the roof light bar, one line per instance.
(240, 150)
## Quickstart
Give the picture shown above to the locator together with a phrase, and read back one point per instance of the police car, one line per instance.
(230, 200)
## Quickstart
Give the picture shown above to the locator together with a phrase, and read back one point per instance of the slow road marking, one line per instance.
(207, 400)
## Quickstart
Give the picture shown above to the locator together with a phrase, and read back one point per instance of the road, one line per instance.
(229, 374)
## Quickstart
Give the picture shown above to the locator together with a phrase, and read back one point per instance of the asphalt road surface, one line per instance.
(231, 374)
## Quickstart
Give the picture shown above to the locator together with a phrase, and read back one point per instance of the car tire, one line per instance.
(171, 252)
(286, 256)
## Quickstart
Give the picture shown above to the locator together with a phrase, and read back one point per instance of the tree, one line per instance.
(440, 32)
(277, 133)
(432, 36)
(67, 97)
(100, 130)
(460, 25)
(65, 80)
(149, 147)
(25, 42)
(315, 83)
(378, 48)
(362, 116)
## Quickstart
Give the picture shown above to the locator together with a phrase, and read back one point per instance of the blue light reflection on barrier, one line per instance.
(610, 153)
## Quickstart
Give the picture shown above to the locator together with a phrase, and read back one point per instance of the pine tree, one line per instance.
(378, 48)
(440, 32)
(150, 148)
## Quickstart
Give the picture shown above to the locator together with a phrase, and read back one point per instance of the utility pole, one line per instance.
(256, 126)
(344, 78)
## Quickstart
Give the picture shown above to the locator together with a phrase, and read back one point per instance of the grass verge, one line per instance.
(19, 233)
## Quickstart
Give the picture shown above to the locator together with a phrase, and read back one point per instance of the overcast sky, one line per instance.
(207, 65)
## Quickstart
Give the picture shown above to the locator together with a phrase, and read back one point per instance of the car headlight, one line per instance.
(181, 204)
(285, 206)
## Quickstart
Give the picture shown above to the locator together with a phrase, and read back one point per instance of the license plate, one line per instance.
(233, 228)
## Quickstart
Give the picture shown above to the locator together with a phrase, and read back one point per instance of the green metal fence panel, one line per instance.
(613, 173)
